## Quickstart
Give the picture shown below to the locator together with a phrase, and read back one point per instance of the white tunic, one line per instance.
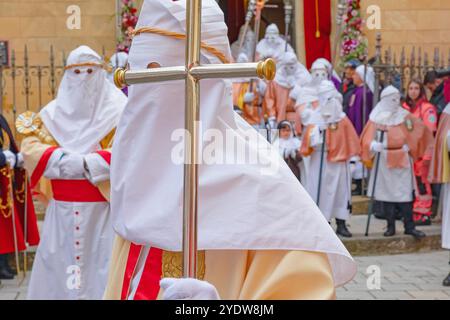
(446, 216)
(335, 192)
(72, 259)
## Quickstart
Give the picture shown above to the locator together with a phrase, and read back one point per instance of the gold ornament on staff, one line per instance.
(192, 72)
(29, 123)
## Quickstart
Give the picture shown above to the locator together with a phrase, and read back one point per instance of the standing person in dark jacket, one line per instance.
(436, 86)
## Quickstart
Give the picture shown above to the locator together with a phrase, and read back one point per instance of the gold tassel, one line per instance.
(317, 20)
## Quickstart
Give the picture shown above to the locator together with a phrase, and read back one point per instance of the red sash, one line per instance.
(76, 191)
(40, 168)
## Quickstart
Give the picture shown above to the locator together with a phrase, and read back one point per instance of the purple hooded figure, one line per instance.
(355, 108)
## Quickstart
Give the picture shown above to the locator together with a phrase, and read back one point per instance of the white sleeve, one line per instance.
(97, 169)
(448, 140)
(52, 171)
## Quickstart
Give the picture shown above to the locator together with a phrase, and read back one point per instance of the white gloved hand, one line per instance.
(249, 97)
(188, 289)
(316, 137)
(376, 146)
(405, 148)
(71, 166)
(10, 158)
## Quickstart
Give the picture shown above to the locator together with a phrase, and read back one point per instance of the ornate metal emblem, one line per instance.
(28, 123)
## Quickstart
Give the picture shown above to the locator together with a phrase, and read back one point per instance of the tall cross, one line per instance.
(192, 72)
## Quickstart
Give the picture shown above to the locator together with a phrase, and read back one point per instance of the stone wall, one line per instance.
(404, 23)
(40, 24)
(409, 23)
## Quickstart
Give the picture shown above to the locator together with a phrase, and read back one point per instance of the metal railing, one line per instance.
(28, 86)
(398, 68)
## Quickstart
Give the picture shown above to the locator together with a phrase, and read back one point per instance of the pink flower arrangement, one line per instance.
(353, 43)
(129, 21)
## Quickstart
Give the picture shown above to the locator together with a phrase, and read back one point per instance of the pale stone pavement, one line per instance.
(407, 276)
(402, 277)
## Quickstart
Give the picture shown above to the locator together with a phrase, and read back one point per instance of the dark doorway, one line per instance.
(235, 11)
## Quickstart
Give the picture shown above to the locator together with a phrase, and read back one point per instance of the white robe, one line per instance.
(446, 216)
(71, 230)
(393, 185)
(446, 208)
(335, 187)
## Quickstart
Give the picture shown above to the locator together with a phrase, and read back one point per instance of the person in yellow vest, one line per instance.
(67, 153)
(260, 235)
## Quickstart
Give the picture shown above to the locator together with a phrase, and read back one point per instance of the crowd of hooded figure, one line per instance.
(333, 137)
(325, 132)
(325, 128)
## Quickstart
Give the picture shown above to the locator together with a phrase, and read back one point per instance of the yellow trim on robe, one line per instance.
(107, 141)
(249, 275)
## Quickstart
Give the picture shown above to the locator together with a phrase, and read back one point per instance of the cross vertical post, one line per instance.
(192, 117)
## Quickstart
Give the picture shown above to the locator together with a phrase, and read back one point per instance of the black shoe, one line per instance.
(5, 275)
(7, 266)
(446, 282)
(416, 233)
(11, 270)
(342, 229)
(390, 232)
